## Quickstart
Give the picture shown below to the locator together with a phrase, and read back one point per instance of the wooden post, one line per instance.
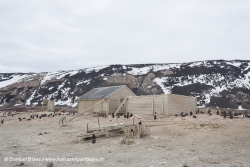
(98, 123)
(91, 111)
(107, 134)
(139, 130)
(163, 105)
(107, 112)
(87, 128)
(126, 106)
(168, 104)
(153, 105)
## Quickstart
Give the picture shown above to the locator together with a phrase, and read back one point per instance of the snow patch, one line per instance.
(139, 71)
(240, 108)
(203, 106)
(86, 81)
(160, 82)
(96, 69)
(67, 102)
(15, 79)
(195, 64)
(17, 104)
(234, 63)
(30, 98)
(73, 73)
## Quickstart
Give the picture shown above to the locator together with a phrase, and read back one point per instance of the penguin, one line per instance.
(131, 115)
(93, 139)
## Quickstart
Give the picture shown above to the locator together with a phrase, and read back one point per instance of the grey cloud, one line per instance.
(79, 34)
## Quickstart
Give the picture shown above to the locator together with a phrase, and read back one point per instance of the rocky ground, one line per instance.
(203, 142)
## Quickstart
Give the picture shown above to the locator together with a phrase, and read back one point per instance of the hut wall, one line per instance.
(139, 105)
(84, 104)
(179, 103)
(148, 104)
(161, 104)
(116, 99)
(50, 105)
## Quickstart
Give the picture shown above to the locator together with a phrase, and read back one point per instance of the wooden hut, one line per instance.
(47, 105)
(120, 99)
(104, 99)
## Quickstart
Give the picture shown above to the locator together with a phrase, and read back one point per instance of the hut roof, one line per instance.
(100, 93)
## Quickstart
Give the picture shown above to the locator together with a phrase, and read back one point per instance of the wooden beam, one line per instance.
(120, 106)
(86, 110)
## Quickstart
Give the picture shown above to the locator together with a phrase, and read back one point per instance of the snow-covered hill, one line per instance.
(218, 83)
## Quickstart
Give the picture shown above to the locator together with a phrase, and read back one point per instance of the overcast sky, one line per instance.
(52, 35)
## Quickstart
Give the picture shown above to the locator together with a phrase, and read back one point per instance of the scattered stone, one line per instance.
(153, 146)
(162, 163)
(126, 141)
(40, 134)
(50, 164)
(20, 164)
(109, 151)
(45, 132)
(15, 146)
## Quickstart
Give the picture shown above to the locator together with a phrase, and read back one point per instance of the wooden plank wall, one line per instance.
(51, 105)
(84, 104)
(179, 103)
(148, 104)
(169, 104)
(103, 106)
(139, 105)
(116, 99)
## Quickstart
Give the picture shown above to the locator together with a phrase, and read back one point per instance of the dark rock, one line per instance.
(20, 164)
(50, 164)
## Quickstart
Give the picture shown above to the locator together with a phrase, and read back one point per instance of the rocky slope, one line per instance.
(215, 83)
